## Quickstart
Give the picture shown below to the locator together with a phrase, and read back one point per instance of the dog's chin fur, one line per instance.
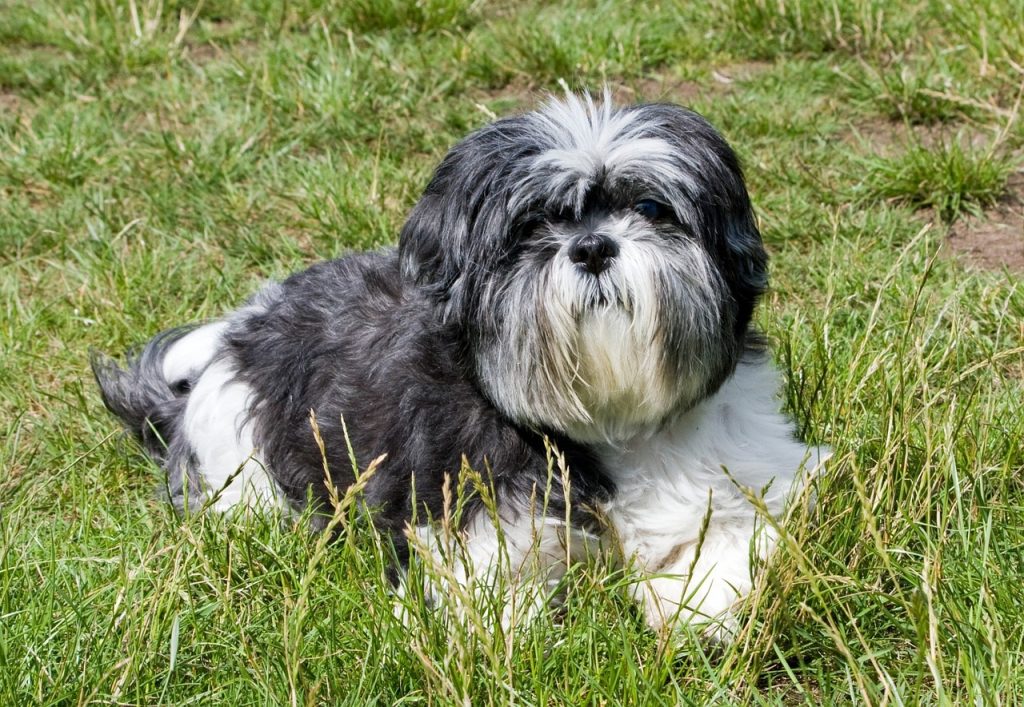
(582, 276)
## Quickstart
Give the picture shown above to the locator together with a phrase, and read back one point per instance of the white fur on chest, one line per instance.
(679, 513)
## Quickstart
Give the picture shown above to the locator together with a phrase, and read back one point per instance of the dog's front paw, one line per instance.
(671, 602)
(486, 574)
(701, 584)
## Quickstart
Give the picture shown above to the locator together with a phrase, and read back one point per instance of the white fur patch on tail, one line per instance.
(219, 431)
(190, 354)
(218, 420)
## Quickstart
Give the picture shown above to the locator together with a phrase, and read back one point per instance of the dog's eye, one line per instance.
(650, 209)
(528, 227)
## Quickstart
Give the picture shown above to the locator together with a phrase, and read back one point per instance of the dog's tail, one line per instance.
(150, 392)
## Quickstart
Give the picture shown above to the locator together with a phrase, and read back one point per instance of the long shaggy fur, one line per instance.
(583, 276)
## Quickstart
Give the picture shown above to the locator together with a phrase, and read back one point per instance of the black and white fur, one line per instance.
(583, 273)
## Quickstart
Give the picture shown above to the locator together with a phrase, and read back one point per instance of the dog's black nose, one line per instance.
(593, 252)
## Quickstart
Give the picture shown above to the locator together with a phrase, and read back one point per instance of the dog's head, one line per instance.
(603, 263)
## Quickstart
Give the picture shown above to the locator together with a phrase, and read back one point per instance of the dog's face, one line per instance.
(602, 263)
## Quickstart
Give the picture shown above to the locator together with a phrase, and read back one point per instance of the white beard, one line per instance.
(586, 355)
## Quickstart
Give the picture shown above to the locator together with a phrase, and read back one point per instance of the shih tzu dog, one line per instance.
(581, 277)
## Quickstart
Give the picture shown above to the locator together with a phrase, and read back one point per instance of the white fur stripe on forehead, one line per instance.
(590, 140)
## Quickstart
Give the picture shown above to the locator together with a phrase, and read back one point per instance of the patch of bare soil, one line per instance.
(10, 102)
(661, 88)
(516, 96)
(740, 71)
(888, 138)
(213, 51)
(686, 91)
(996, 239)
(218, 45)
(203, 53)
(522, 95)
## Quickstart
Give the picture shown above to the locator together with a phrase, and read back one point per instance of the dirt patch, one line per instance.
(519, 95)
(883, 136)
(686, 91)
(740, 71)
(888, 138)
(37, 195)
(523, 95)
(203, 53)
(219, 41)
(10, 102)
(660, 88)
(994, 240)
(207, 52)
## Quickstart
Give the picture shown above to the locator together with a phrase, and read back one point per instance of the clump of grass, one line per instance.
(414, 15)
(913, 94)
(768, 28)
(548, 46)
(950, 178)
(128, 35)
(994, 31)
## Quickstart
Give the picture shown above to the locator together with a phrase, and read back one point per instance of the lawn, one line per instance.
(160, 159)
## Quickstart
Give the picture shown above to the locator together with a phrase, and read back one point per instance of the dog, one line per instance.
(579, 278)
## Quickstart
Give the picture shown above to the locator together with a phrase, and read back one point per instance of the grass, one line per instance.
(948, 177)
(159, 159)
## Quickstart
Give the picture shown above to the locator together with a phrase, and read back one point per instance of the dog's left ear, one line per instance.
(731, 220)
(459, 229)
(744, 259)
(727, 214)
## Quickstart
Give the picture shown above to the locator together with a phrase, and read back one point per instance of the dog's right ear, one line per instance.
(431, 242)
(462, 221)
